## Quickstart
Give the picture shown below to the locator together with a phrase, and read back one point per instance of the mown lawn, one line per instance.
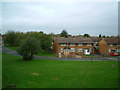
(59, 74)
(41, 53)
(12, 48)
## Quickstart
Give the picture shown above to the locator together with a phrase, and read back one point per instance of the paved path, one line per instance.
(12, 52)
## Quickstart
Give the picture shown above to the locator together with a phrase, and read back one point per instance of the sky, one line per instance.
(76, 18)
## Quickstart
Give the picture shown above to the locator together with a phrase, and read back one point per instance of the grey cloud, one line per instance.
(76, 18)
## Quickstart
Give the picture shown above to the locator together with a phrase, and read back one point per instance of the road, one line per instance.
(12, 52)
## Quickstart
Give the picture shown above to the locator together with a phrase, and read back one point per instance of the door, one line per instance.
(66, 51)
(87, 51)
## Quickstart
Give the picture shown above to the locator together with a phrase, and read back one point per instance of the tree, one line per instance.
(11, 38)
(86, 35)
(45, 40)
(28, 48)
(103, 36)
(99, 35)
(64, 33)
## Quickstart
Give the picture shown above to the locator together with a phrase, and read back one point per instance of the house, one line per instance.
(85, 46)
(109, 45)
(73, 46)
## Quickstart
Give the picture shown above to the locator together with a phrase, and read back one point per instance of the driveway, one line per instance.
(12, 52)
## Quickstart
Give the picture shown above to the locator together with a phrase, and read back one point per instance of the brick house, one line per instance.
(85, 46)
(109, 45)
(73, 46)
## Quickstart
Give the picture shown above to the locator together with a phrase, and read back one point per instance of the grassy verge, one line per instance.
(45, 53)
(12, 48)
(59, 74)
(41, 53)
(89, 56)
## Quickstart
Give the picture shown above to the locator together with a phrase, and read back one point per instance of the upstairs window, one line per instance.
(80, 44)
(118, 45)
(110, 44)
(80, 50)
(72, 44)
(88, 44)
(62, 44)
(72, 50)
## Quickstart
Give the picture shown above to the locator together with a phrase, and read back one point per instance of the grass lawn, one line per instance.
(89, 56)
(12, 48)
(59, 74)
(42, 53)
(45, 53)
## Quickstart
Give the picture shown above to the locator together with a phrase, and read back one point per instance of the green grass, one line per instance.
(12, 48)
(45, 53)
(58, 73)
(89, 56)
(41, 53)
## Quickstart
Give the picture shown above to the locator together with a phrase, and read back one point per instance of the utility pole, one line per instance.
(92, 52)
(66, 50)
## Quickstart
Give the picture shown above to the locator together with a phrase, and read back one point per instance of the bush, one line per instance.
(28, 48)
(103, 54)
(12, 38)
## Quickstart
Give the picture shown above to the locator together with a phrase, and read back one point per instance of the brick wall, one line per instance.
(58, 47)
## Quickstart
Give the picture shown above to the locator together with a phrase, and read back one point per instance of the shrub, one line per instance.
(28, 48)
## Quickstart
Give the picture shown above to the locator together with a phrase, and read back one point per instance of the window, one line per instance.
(118, 50)
(80, 50)
(80, 44)
(118, 44)
(61, 50)
(62, 44)
(110, 44)
(88, 44)
(72, 44)
(72, 50)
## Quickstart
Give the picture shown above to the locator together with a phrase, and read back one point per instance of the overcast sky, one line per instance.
(93, 18)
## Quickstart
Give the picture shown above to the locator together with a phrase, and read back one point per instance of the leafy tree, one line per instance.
(11, 38)
(86, 35)
(64, 33)
(103, 36)
(80, 35)
(99, 35)
(46, 41)
(28, 48)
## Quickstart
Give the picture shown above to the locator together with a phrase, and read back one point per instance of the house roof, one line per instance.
(96, 39)
(112, 40)
(86, 40)
(74, 40)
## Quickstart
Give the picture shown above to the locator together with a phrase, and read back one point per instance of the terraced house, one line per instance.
(85, 46)
(109, 45)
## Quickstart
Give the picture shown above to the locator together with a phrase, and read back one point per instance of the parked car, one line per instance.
(114, 54)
